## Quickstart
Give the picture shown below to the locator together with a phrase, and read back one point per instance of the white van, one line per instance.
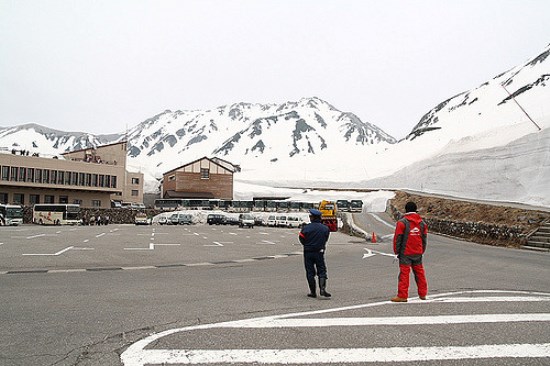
(293, 221)
(280, 221)
(271, 220)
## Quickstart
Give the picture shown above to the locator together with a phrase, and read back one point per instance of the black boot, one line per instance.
(322, 286)
(312, 288)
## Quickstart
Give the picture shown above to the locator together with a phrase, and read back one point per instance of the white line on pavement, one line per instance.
(54, 254)
(336, 355)
(35, 236)
(377, 218)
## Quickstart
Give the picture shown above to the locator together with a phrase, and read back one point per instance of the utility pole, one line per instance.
(520, 107)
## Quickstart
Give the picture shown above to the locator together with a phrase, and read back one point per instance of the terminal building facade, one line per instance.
(92, 177)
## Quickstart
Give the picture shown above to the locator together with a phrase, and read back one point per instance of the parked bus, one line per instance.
(11, 215)
(356, 206)
(171, 204)
(344, 205)
(56, 214)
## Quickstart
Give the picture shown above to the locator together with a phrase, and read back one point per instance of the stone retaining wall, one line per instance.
(479, 223)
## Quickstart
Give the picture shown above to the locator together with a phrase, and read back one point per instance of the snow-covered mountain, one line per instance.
(248, 134)
(243, 133)
(37, 138)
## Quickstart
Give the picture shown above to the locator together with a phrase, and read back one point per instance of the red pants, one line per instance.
(419, 276)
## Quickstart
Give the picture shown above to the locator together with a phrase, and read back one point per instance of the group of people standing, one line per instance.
(409, 245)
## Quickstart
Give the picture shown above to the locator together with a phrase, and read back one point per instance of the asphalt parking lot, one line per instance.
(153, 295)
(64, 248)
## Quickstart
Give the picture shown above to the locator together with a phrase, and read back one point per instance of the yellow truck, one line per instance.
(329, 211)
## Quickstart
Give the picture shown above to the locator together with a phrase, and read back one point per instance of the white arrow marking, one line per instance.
(371, 253)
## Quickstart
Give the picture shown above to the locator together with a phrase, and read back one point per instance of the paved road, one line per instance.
(201, 294)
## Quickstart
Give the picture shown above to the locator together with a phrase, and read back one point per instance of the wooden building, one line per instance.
(202, 178)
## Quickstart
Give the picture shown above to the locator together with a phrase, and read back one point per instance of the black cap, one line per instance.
(410, 207)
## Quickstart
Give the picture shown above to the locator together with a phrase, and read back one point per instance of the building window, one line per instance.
(94, 180)
(205, 173)
(88, 179)
(81, 179)
(101, 180)
(67, 178)
(19, 198)
(22, 174)
(30, 174)
(135, 193)
(74, 178)
(34, 198)
(172, 177)
(107, 181)
(46, 177)
(63, 199)
(5, 172)
(135, 180)
(38, 176)
(96, 203)
(49, 199)
(60, 177)
(77, 201)
(13, 174)
(113, 181)
(3, 198)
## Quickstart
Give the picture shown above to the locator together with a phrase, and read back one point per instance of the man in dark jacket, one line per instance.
(409, 244)
(314, 237)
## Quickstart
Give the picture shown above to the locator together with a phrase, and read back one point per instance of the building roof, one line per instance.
(204, 157)
(94, 147)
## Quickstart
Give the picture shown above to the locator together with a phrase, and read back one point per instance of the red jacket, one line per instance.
(411, 240)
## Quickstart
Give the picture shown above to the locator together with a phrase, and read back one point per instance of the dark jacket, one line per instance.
(410, 236)
(314, 236)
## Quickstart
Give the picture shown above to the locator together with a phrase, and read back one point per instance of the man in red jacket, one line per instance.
(409, 244)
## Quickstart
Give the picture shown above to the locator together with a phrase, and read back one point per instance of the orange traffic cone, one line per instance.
(373, 237)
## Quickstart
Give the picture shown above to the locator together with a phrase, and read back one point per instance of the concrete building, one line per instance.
(91, 177)
(202, 178)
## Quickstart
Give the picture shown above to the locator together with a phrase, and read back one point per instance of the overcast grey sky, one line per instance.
(101, 66)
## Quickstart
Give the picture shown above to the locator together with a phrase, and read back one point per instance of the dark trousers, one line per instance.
(315, 265)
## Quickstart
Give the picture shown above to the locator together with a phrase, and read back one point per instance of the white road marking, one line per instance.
(337, 355)
(99, 235)
(54, 254)
(399, 320)
(87, 240)
(35, 236)
(371, 253)
(66, 270)
(267, 242)
(218, 244)
(139, 355)
(152, 246)
(377, 218)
